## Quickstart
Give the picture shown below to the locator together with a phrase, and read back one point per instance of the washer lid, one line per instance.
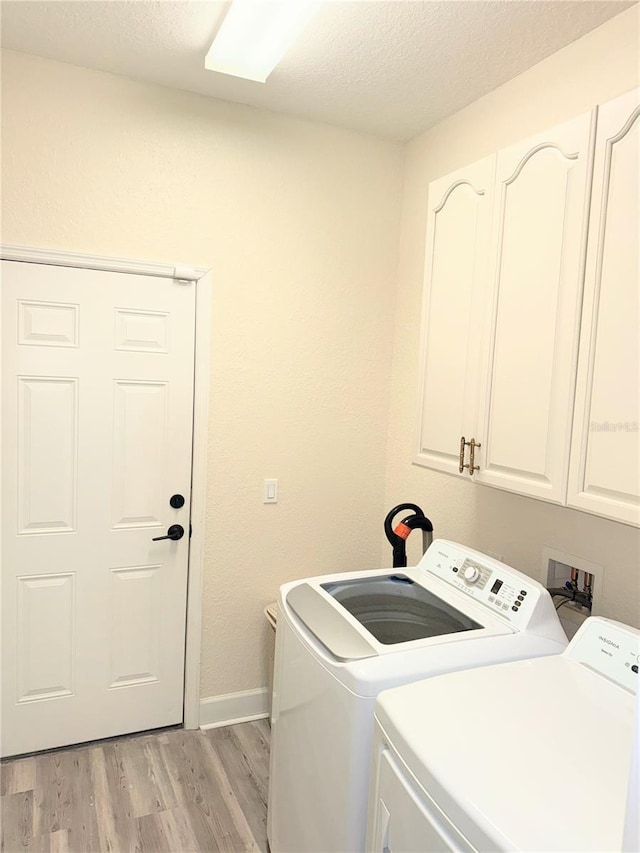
(529, 755)
(327, 624)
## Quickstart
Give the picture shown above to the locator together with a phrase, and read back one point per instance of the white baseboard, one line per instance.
(234, 708)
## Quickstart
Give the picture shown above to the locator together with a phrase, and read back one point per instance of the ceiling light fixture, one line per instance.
(256, 34)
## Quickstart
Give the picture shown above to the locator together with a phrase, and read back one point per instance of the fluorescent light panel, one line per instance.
(256, 34)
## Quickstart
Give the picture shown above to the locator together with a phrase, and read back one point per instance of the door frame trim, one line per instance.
(203, 282)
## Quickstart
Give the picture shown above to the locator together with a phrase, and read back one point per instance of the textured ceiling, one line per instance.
(389, 67)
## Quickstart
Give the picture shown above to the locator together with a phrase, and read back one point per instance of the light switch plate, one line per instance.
(270, 492)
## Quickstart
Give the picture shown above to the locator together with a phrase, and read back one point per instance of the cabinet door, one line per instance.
(458, 228)
(535, 287)
(605, 461)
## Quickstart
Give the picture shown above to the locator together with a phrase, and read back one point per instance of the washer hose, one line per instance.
(398, 536)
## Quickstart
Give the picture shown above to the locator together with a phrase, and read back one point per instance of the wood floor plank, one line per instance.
(119, 783)
(150, 787)
(253, 742)
(151, 831)
(202, 795)
(121, 820)
(59, 841)
(243, 768)
(52, 792)
(108, 821)
(159, 774)
(16, 819)
(229, 791)
(83, 830)
(178, 832)
(17, 775)
(189, 780)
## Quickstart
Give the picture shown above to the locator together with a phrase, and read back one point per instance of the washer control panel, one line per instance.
(501, 588)
(472, 573)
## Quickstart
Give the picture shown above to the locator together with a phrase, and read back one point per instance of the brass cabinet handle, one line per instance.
(472, 457)
(461, 465)
(471, 465)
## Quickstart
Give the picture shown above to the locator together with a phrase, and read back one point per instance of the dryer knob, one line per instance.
(471, 574)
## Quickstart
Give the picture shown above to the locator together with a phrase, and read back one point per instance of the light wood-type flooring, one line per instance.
(168, 791)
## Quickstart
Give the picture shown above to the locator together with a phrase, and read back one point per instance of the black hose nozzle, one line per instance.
(398, 536)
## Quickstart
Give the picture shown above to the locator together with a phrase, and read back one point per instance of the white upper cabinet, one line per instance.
(533, 298)
(455, 272)
(605, 460)
(533, 377)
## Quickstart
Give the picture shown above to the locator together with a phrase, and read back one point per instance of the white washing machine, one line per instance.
(342, 639)
(529, 755)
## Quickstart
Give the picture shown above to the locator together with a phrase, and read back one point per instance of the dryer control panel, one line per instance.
(610, 648)
(499, 587)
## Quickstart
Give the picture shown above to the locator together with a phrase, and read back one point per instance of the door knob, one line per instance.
(175, 532)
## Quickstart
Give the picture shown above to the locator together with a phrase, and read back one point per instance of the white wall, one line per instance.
(599, 66)
(299, 222)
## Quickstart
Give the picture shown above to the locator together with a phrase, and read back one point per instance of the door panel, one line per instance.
(605, 463)
(134, 637)
(47, 324)
(46, 626)
(542, 191)
(47, 454)
(138, 471)
(141, 331)
(97, 424)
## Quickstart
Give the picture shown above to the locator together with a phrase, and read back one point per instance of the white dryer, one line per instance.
(342, 639)
(530, 755)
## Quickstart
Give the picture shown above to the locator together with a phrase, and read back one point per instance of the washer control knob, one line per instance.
(471, 574)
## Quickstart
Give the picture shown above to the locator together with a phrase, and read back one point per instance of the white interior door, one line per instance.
(97, 412)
